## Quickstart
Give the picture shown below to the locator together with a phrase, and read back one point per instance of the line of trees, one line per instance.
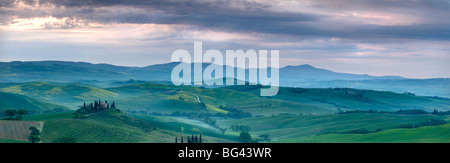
(232, 113)
(189, 139)
(10, 113)
(437, 112)
(235, 113)
(242, 128)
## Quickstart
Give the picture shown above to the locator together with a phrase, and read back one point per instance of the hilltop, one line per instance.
(306, 76)
(32, 105)
(114, 126)
(164, 98)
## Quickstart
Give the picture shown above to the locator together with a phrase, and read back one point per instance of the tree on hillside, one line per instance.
(113, 105)
(10, 113)
(34, 135)
(223, 130)
(245, 137)
(22, 112)
(435, 112)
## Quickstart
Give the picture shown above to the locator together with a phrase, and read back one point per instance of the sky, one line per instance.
(410, 38)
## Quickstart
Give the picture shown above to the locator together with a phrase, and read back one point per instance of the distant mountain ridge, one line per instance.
(63, 70)
(290, 76)
(308, 72)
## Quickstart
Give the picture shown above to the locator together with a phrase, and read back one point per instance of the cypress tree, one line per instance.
(95, 105)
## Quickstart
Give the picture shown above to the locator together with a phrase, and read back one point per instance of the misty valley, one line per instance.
(75, 102)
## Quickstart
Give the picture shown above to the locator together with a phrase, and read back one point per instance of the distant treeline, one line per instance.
(431, 122)
(232, 113)
(208, 118)
(404, 112)
(235, 113)
(189, 139)
(10, 113)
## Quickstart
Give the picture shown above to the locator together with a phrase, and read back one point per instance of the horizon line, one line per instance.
(212, 63)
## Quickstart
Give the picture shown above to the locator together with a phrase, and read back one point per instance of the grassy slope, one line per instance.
(17, 101)
(160, 95)
(114, 127)
(11, 141)
(49, 116)
(429, 134)
(353, 99)
(167, 98)
(67, 94)
(163, 98)
(175, 124)
(287, 127)
(107, 126)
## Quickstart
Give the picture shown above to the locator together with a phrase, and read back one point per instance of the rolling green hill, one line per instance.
(288, 127)
(71, 95)
(111, 126)
(158, 97)
(104, 127)
(168, 98)
(164, 98)
(429, 134)
(354, 99)
(290, 76)
(32, 105)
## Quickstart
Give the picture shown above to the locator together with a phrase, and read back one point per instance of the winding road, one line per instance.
(198, 99)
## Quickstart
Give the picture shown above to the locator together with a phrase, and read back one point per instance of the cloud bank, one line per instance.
(385, 37)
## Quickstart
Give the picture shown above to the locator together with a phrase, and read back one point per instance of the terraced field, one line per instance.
(17, 130)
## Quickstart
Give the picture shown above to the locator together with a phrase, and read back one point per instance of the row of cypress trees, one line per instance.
(190, 139)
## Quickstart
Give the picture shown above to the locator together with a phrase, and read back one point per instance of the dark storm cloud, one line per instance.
(221, 15)
(383, 4)
(186, 12)
(246, 16)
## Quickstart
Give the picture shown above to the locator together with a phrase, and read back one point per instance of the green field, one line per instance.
(294, 115)
(354, 99)
(11, 141)
(430, 134)
(167, 98)
(288, 127)
(116, 127)
(33, 105)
